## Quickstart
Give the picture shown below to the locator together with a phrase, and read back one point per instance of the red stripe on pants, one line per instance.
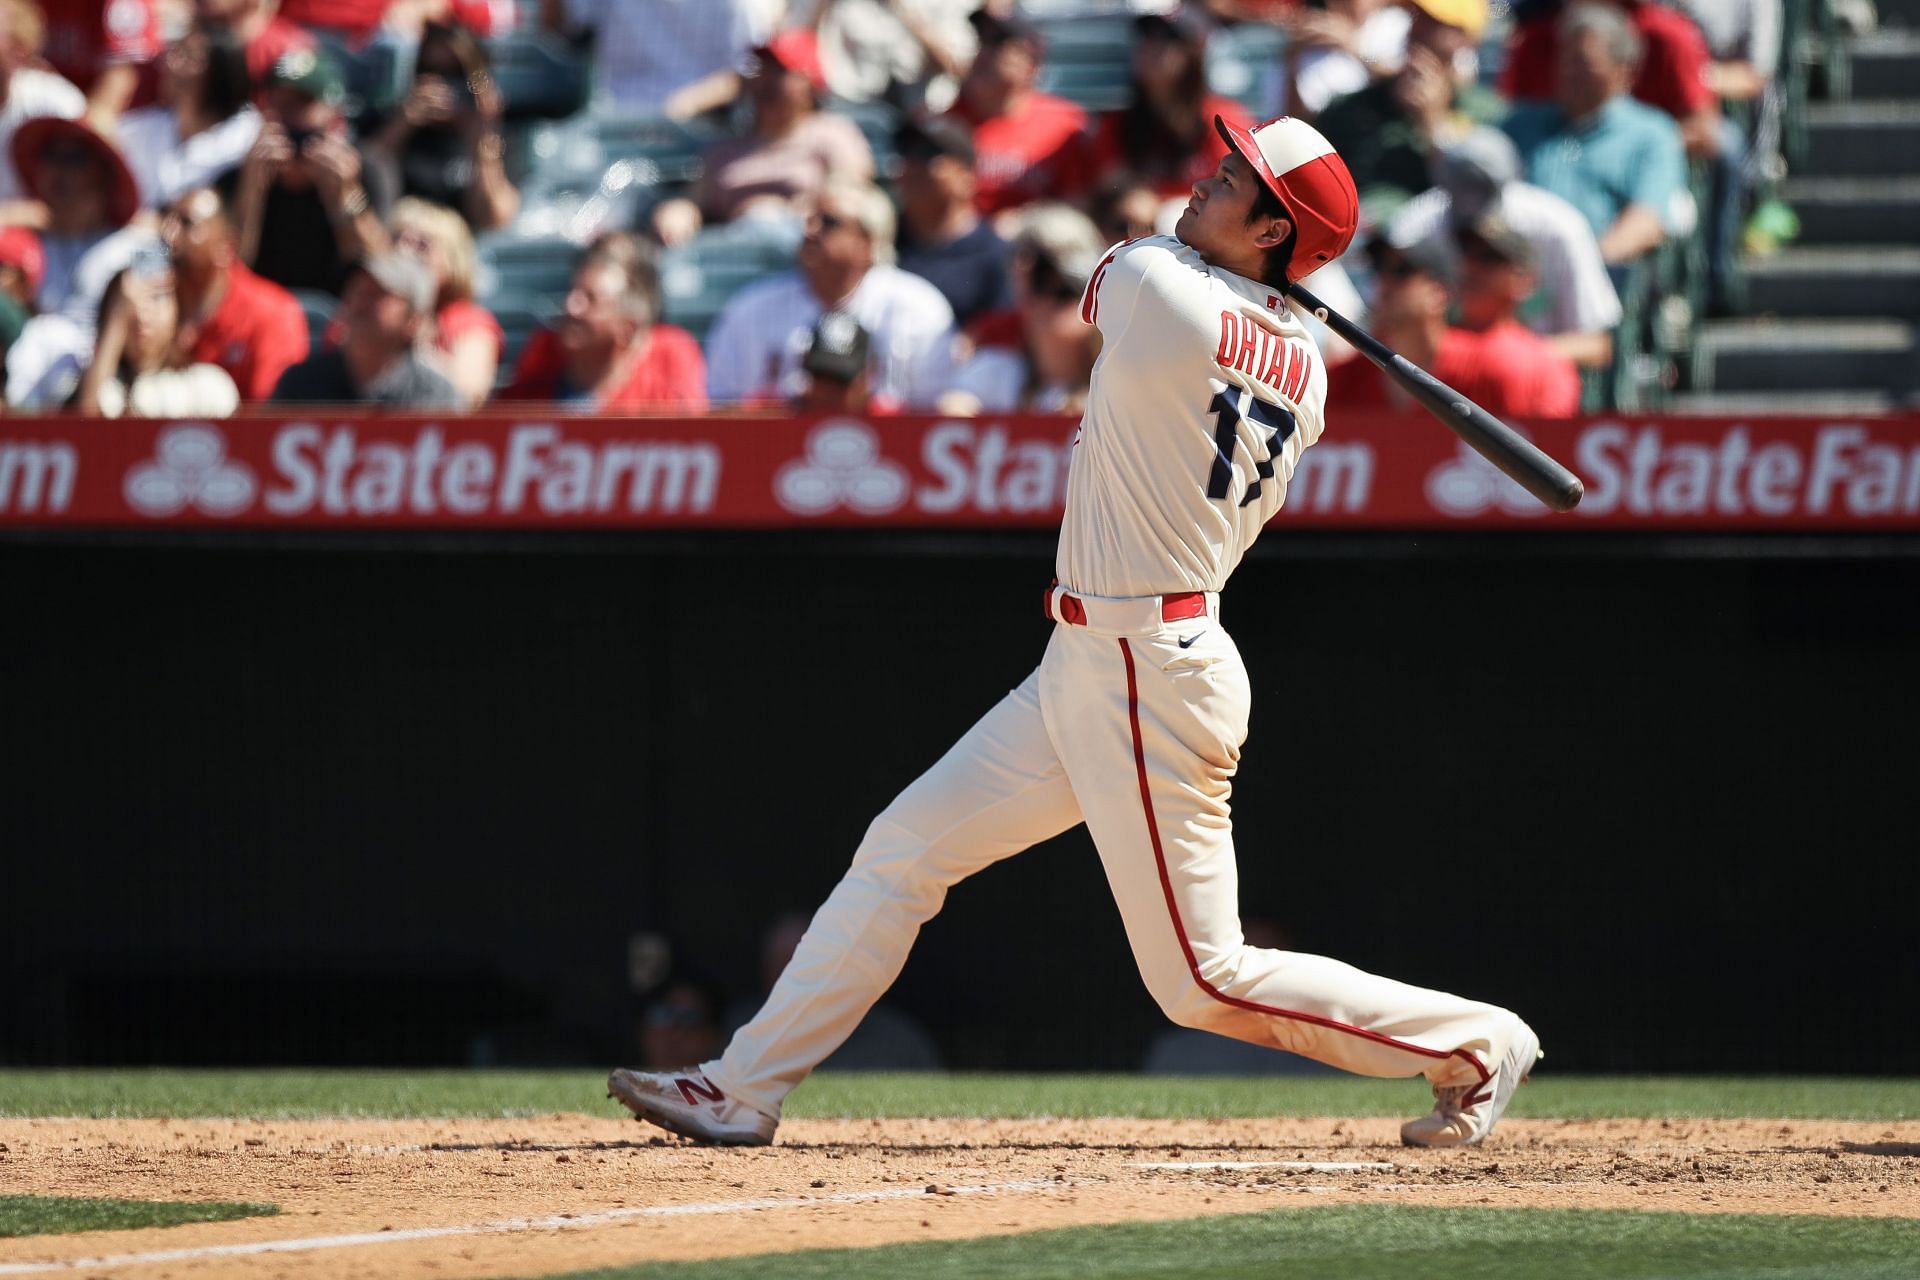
(1180, 929)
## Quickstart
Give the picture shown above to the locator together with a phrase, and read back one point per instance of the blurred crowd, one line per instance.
(212, 203)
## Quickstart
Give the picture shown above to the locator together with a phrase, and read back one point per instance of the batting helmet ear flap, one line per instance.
(1300, 167)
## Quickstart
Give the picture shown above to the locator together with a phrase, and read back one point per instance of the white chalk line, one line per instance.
(1312, 1166)
(555, 1222)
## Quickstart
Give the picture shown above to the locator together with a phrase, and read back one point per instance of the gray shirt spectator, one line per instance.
(388, 299)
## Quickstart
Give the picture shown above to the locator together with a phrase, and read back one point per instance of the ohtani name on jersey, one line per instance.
(1264, 356)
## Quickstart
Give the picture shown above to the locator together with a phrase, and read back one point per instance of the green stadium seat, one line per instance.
(540, 77)
(698, 278)
(318, 308)
(526, 264)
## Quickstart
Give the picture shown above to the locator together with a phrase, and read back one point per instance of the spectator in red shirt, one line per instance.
(1673, 73)
(609, 354)
(107, 48)
(1165, 133)
(465, 334)
(1498, 273)
(229, 316)
(260, 29)
(1027, 145)
(1506, 369)
(357, 20)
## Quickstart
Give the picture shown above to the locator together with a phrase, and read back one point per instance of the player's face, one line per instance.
(1215, 219)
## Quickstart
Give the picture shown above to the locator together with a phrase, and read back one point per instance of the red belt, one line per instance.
(1173, 608)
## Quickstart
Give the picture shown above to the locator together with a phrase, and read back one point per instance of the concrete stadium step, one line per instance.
(1855, 210)
(1765, 354)
(1848, 280)
(1862, 138)
(1885, 64)
(1740, 404)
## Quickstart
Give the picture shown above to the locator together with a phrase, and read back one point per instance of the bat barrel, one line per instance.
(1529, 466)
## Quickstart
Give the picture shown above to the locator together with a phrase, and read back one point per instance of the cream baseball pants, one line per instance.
(1132, 724)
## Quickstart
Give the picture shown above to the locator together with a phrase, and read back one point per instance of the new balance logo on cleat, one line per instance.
(691, 1105)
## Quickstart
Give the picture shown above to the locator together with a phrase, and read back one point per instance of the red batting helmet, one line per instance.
(1300, 167)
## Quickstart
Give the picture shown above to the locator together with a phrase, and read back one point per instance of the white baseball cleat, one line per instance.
(687, 1103)
(1464, 1114)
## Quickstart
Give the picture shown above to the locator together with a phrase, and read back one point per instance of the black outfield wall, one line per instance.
(414, 802)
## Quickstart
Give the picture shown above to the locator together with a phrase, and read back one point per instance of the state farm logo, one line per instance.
(190, 468)
(1471, 486)
(843, 466)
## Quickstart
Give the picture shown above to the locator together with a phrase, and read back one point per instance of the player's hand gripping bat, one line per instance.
(1491, 438)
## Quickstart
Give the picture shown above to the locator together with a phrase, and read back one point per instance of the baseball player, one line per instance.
(1206, 391)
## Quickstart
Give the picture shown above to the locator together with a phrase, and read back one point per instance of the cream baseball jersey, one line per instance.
(1206, 391)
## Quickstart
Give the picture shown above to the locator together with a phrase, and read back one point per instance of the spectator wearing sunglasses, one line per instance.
(845, 263)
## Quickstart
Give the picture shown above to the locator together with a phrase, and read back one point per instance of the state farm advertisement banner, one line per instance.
(335, 471)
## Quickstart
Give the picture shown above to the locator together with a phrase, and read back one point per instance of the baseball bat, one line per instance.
(1531, 468)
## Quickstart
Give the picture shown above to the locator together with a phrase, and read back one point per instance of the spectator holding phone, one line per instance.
(138, 368)
(308, 206)
(443, 144)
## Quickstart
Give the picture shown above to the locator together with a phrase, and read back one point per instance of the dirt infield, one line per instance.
(471, 1198)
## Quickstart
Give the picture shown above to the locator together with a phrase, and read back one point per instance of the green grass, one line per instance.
(310, 1094)
(1361, 1242)
(54, 1215)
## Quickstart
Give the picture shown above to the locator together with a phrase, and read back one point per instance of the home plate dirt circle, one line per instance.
(378, 1198)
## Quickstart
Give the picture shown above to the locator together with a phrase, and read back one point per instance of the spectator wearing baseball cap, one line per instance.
(1165, 133)
(1028, 145)
(610, 353)
(1389, 131)
(836, 369)
(308, 205)
(845, 263)
(1504, 367)
(790, 150)
(27, 91)
(943, 238)
(1576, 306)
(88, 191)
(108, 49)
(389, 299)
(229, 316)
(1498, 273)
